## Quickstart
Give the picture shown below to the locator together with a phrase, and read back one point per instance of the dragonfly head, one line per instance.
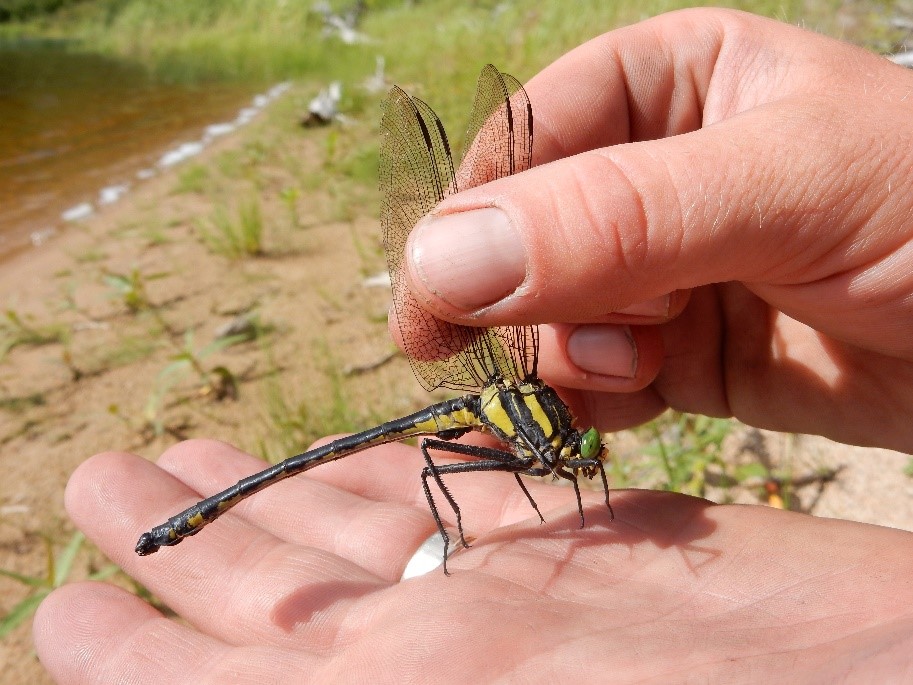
(590, 444)
(591, 453)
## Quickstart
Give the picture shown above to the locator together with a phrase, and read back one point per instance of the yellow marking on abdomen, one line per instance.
(462, 418)
(429, 426)
(465, 418)
(229, 503)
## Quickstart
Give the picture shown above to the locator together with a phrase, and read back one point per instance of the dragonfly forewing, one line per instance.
(417, 172)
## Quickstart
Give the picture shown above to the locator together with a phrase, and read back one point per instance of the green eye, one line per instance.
(589, 444)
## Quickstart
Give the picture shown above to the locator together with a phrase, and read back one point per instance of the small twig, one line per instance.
(357, 370)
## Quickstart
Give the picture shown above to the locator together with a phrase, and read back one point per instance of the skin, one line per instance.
(793, 186)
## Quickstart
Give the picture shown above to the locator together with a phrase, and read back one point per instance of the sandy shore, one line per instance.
(104, 386)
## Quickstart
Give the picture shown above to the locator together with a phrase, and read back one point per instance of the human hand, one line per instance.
(300, 584)
(783, 211)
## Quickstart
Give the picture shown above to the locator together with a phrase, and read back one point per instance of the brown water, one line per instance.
(73, 123)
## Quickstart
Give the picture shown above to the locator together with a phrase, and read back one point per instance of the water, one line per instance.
(74, 124)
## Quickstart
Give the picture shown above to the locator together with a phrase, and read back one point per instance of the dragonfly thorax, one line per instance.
(531, 417)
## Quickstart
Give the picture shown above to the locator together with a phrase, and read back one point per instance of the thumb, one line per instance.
(586, 236)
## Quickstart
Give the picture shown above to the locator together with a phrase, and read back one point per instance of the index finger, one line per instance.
(665, 76)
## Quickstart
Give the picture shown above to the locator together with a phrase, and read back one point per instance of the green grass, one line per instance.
(127, 350)
(19, 10)
(155, 236)
(57, 569)
(213, 381)
(245, 161)
(686, 447)
(18, 405)
(267, 40)
(17, 329)
(193, 178)
(93, 254)
(235, 238)
(206, 40)
(290, 196)
(130, 289)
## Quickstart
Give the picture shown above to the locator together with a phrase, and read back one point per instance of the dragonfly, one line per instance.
(495, 368)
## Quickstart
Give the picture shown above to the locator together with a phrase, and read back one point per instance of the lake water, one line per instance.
(74, 124)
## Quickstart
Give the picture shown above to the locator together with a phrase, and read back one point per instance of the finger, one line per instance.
(609, 412)
(97, 633)
(584, 236)
(599, 357)
(237, 580)
(617, 88)
(665, 76)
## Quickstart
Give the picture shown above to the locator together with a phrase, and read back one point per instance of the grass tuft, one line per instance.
(57, 570)
(235, 239)
(15, 330)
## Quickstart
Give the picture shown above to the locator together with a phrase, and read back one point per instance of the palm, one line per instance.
(672, 586)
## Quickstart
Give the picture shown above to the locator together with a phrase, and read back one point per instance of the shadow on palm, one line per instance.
(556, 559)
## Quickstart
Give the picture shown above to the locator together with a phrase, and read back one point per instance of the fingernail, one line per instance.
(604, 349)
(658, 306)
(470, 259)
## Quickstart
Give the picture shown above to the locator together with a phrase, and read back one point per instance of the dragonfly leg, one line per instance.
(605, 488)
(514, 464)
(432, 470)
(437, 517)
(529, 497)
(489, 460)
(569, 475)
(588, 465)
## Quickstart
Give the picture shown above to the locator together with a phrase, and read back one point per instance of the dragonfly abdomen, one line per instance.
(448, 419)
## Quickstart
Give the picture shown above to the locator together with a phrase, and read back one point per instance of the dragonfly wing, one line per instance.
(499, 142)
(416, 173)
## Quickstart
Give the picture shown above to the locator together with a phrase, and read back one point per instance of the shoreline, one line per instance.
(19, 240)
